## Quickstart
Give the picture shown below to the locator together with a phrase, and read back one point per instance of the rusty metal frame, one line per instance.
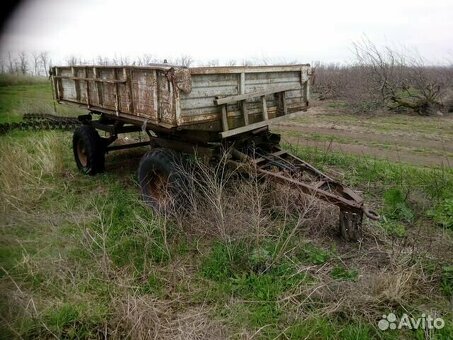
(323, 187)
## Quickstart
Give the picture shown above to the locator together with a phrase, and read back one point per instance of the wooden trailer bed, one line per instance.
(225, 100)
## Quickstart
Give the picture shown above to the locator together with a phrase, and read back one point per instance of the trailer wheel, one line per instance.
(89, 151)
(161, 181)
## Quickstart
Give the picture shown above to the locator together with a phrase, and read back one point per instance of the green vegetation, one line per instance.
(17, 79)
(19, 95)
(301, 136)
(81, 257)
(313, 254)
(396, 206)
(381, 175)
(442, 213)
(16, 100)
(342, 273)
(447, 280)
(382, 122)
(424, 141)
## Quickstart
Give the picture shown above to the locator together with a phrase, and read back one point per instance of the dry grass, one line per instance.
(22, 173)
(96, 263)
(146, 317)
(390, 277)
(221, 202)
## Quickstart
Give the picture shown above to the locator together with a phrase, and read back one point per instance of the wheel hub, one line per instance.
(157, 189)
(82, 153)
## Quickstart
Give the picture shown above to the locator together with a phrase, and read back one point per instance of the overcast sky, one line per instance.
(306, 31)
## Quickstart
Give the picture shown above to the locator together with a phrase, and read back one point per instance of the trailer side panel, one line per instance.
(171, 97)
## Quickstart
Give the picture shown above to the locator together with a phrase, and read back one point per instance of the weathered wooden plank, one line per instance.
(107, 89)
(128, 76)
(117, 95)
(224, 118)
(269, 78)
(213, 80)
(189, 102)
(98, 87)
(243, 129)
(76, 84)
(212, 91)
(87, 88)
(243, 103)
(306, 92)
(254, 126)
(248, 95)
(284, 106)
(244, 112)
(264, 105)
(259, 83)
(246, 69)
(270, 90)
(210, 69)
(205, 98)
(294, 94)
(233, 111)
(109, 81)
(69, 90)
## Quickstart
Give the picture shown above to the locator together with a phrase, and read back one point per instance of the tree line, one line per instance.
(38, 63)
(385, 78)
(376, 78)
(22, 63)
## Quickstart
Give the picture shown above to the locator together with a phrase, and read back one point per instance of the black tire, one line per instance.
(89, 150)
(161, 179)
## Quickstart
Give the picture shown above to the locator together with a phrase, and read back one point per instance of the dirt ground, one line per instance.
(425, 141)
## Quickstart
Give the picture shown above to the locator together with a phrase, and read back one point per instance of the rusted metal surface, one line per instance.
(185, 99)
(41, 121)
(283, 167)
(208, 109)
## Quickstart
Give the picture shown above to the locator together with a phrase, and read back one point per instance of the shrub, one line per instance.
(442, 214)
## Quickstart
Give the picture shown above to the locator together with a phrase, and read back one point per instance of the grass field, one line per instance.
(19, 95)
(81, 257)
(410, 139)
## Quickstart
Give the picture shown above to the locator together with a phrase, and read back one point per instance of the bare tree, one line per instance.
(2, 65)
(104, 61)
(247, 62)
(145, 59)
(336, 81)
(72, 60)
(213, 62)
(231, 62)
(185, 60)
(124, 60)
(120, 60)
(115, 60)
(285, 61)
(45, 62)
(36, 63)
(402, 81)
(23, 63)
(265, 61)
(11, 63)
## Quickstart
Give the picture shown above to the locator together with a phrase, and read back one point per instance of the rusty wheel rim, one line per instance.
(82, 153)
(156, 189)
